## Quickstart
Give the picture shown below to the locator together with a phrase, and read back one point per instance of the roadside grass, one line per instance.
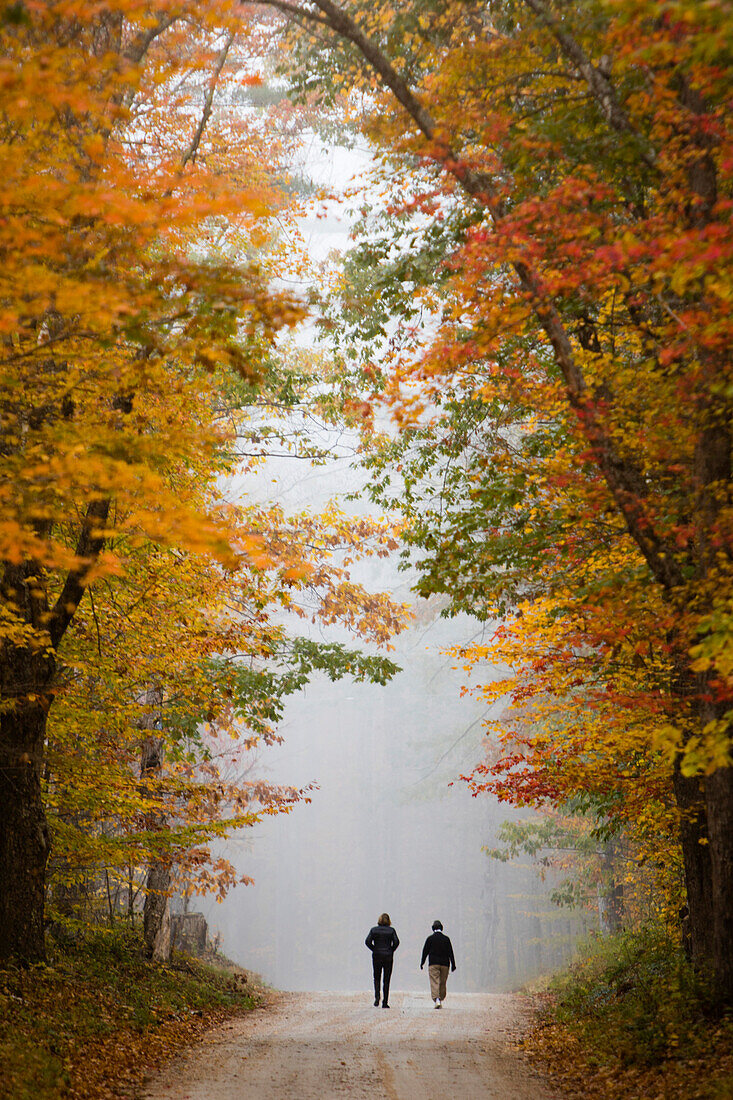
(94, 1021)
(630, 1020)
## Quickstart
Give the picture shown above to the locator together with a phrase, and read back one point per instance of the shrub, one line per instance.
(633, 998)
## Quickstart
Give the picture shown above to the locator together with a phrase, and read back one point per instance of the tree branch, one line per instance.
(88, 549)
(624, 481)
(190, 154)
(300, 14)
(597, 79)
(142, 42)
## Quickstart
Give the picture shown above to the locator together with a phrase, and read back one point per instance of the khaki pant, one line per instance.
(438, 978)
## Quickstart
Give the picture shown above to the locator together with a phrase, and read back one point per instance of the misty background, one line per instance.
(391, 827)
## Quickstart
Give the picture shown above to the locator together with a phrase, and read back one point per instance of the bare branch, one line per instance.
(190, 154)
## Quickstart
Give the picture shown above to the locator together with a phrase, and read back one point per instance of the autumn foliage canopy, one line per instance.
(552, 231)
(144, 650)
(540, 297)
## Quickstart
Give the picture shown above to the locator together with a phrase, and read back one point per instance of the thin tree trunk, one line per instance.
(610, 892)
(511, 964)
(156, 912)
(109, 898)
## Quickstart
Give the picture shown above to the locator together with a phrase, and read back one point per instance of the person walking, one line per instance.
(382, 941)
(438, 950)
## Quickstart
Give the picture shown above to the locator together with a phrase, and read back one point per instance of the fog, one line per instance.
(391, 827)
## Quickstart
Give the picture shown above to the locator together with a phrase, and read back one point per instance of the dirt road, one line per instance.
(312, 1046)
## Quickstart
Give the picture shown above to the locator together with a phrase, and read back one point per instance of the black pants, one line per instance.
(382, 969)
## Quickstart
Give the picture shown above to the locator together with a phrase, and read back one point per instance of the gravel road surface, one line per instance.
(313, 1046)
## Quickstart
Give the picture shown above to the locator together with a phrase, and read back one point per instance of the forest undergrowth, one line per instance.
(631, 1020)
(95, 1020)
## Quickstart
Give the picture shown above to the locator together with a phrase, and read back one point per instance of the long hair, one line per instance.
(384, 920)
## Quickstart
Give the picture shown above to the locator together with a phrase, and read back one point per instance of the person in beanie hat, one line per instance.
(438, 950)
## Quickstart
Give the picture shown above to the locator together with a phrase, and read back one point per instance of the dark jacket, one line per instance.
(438, 950)
(382, 939)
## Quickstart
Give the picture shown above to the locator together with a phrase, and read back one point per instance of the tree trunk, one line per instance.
(697, 865)
(719, 797)
(24, 838)
(27, 672)
(610, 892)
(690, 798)
(719, 811)
(713, 462)
(157, 913)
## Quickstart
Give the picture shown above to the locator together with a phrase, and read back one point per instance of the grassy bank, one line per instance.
(99, 1016)
(631, 1021)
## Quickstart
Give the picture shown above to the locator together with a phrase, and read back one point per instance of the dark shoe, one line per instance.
(385, 1006)
(376, 1003)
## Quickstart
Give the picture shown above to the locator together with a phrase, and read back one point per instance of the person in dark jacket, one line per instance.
(382, 941)
(438, 950)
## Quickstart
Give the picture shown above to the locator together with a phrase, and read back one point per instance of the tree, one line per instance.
(586, 151)
(140, 780)
(135, 287)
